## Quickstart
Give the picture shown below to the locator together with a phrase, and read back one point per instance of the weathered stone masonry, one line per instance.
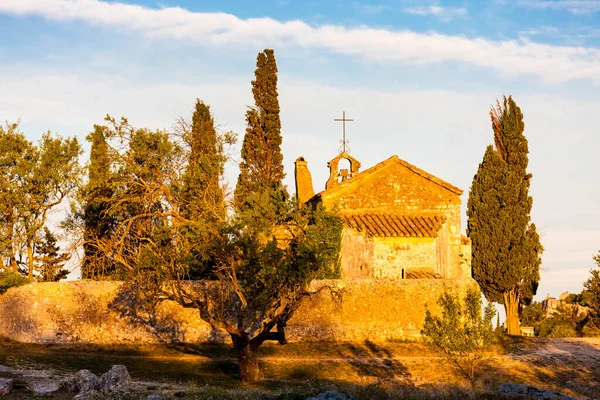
(400, 221)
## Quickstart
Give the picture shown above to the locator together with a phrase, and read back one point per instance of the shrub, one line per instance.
(9, 279)
(462, 333)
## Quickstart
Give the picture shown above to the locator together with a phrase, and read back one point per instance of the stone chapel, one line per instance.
(400, 222)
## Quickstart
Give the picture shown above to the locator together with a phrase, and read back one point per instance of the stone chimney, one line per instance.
(304, 187)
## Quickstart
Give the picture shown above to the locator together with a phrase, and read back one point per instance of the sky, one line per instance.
(417, 76)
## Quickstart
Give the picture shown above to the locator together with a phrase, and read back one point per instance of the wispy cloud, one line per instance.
(370, 8)
(509, 57)
(572, 6)
(444, 13)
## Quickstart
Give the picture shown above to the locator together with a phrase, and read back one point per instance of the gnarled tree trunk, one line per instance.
(247, 359)
(511, 306)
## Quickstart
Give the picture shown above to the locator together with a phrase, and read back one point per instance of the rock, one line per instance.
(331, 395)
(87, 381)
(156, 397)
(69, 384)
(90, 395)
(520, 391)
(43, 387)
(6, 386)
(116, 380)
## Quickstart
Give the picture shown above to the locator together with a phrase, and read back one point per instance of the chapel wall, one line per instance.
(357, 253)
(393, 255)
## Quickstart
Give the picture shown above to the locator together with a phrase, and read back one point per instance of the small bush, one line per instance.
(462, 333)
(9, 279)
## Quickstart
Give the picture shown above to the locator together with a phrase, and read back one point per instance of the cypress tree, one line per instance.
(506, 245)
(98, 223)
(202, 197)
(259, 187)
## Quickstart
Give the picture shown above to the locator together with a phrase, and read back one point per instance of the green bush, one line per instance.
(9, 279)
(462, 333)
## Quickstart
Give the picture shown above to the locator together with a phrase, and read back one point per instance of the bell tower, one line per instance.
(337, 175)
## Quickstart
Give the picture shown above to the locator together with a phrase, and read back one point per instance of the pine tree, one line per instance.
(592, 286)
(506, 245)
(98, 222)
(50, 259)
(259, 187)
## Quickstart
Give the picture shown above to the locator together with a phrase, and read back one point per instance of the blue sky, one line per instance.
(418, 77)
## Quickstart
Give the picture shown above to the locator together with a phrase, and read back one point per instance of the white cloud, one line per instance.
(573, 6)
(370, 8)
(510, 57)
(444, 13)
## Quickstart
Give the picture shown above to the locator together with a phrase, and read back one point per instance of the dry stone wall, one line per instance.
(80, 312)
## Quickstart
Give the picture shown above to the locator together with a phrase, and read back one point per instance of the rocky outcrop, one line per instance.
(86, 381)
(116, 380)
(112, 384)
(6, 386)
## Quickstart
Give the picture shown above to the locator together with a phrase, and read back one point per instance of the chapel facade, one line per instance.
(400, 222)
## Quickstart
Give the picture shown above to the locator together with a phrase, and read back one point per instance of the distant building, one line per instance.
(527, 331)
(551, 306)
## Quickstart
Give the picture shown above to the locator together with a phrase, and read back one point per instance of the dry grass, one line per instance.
(367, 370)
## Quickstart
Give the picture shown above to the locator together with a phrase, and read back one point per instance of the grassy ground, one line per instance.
(367, 370)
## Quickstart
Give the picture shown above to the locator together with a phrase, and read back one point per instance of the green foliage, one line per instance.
(202, 197)
(51, 261)
(36, 179)
(304, 248)
(259, 187)
(17, 160)
(532, 315)
(506, 245)
(9, 279)
(98, 224)
(592, 287)
(462, 333)
(564, 322)
(558, 325)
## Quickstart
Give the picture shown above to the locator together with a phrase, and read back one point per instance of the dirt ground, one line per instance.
(367, 370)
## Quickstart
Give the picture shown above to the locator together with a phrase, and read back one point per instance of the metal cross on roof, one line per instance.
(344, 143)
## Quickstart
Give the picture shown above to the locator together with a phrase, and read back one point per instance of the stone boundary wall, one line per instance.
(79, 312)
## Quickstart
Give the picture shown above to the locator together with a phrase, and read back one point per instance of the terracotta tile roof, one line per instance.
(391, 225)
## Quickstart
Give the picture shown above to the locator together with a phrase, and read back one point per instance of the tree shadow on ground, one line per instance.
(373, 360)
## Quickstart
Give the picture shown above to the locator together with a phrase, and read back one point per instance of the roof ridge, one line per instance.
(385, 163)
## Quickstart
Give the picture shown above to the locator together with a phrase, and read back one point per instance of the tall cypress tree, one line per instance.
(98, 223)
(259, 187)
(202, 196)
(202, 199)
(506, 245)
